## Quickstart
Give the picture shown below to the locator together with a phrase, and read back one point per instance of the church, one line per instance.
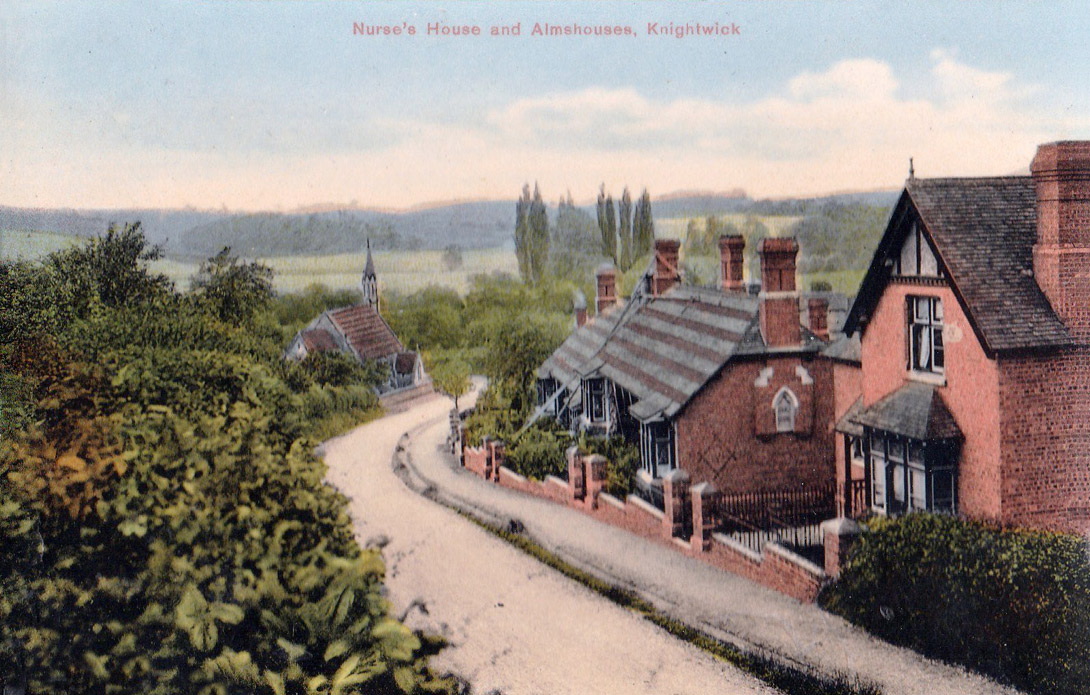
(360, 331)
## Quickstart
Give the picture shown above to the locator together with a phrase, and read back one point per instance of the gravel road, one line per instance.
(516, 626)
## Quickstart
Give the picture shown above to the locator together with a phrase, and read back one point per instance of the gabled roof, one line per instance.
(579, 347)
(317, 340)
(368, 334)
(672, 345)
(984, 230)
(915, 411)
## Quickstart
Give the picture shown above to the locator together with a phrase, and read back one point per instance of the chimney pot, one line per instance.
(666, 273)
(605, 287)
(779, 301)
(731, 260)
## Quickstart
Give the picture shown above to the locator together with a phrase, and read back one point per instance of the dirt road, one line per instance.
(516, 626)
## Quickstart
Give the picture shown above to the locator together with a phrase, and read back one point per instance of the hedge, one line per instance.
(1011, 604)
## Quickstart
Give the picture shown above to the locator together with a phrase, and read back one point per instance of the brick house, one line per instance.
(361, 332)
(720, 383)
(968, 389)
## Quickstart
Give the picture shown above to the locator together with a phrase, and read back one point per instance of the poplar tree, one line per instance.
(538, 223)
(609, 237)
(626, 230)
(522, 232)
(643, 226)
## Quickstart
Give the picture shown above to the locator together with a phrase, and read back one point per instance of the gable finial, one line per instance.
(911, 169)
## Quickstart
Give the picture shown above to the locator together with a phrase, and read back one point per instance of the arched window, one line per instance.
(786, 407)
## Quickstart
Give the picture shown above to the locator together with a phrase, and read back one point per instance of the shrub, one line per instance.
(539, 451)
(1012, 604)
(624, 462)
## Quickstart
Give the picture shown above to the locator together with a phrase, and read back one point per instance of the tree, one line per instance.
(643, 226)
(611, 228)
(609, 238)
(111, 269)
(538, 221)
(522, 232)
(450, 372)
(232, 289)
(452, 257)
(625, 212)
(574, 243)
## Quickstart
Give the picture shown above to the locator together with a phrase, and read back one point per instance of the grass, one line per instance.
(29, 246)
(401, 271)
(788, 678)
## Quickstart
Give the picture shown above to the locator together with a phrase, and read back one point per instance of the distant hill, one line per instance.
(480, 224)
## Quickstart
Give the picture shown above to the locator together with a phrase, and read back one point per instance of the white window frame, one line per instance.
(925, 319)
(785, 418)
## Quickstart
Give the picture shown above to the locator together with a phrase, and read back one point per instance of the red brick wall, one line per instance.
(718, 438)
(847, 388)
(1045, 438)
(971, 392)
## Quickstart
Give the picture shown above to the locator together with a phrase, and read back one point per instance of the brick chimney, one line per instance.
(819, 317)
(579, 306)
(731, 247)
(1061, 256)
(779, 301)
(606, 290)
(666, 273)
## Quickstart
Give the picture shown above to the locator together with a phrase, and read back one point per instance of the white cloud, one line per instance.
(850, 126)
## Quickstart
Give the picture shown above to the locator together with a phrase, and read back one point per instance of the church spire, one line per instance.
(369, 281)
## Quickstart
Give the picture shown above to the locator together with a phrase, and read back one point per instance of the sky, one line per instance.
(278, 105)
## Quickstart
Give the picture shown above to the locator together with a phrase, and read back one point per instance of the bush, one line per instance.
(624, 462)
(1014, 605)
(539, 451)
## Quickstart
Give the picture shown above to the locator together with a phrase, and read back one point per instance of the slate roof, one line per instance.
(847, 349)
(663, 350)
(579, 347)
(847, 424)
(670, 346)
(984, 230)
(318, 340)
(368, 334)
(915, 411)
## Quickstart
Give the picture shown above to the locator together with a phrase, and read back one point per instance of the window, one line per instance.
(657, 439)
(786, 406)
(596, 400)
(909, 475)
(926, 352)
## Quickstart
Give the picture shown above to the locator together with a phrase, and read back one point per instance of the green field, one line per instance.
(399, 271)
(28, 246)
(674, 227)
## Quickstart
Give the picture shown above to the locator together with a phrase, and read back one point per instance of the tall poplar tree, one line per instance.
(538, 248)
(625, 211)
(609, 237)
(522, 233)
(643, 226)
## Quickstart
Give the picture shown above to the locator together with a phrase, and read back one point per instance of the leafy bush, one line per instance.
(539, 451)
(624, 462)
(164, 526)
(1012, 604)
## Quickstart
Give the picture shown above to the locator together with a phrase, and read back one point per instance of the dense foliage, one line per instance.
(1012, 604)
(164, 525)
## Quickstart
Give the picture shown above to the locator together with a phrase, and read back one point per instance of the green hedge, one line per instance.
(1012, 604)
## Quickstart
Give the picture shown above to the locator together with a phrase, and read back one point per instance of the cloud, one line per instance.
(850, 126)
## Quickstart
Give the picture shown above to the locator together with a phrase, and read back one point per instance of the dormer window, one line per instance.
(786, 407)
(926, 351)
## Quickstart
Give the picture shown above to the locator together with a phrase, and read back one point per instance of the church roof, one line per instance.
(366, 331)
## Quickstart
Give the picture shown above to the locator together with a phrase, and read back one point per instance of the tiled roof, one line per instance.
(847, 349)
(984, 230)
(318, 340)
(915, 411)
(366, 331)
(579, 348)
(671, 345)
(847, 424)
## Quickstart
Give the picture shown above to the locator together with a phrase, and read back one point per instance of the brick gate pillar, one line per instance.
(675, 493)
(705, 500)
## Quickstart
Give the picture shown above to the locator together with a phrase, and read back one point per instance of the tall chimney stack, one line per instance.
(606, 289)
(1061, 256)
(666, 273)
(819, 317)
(579, 306)
(731, 247)
(779, 300)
